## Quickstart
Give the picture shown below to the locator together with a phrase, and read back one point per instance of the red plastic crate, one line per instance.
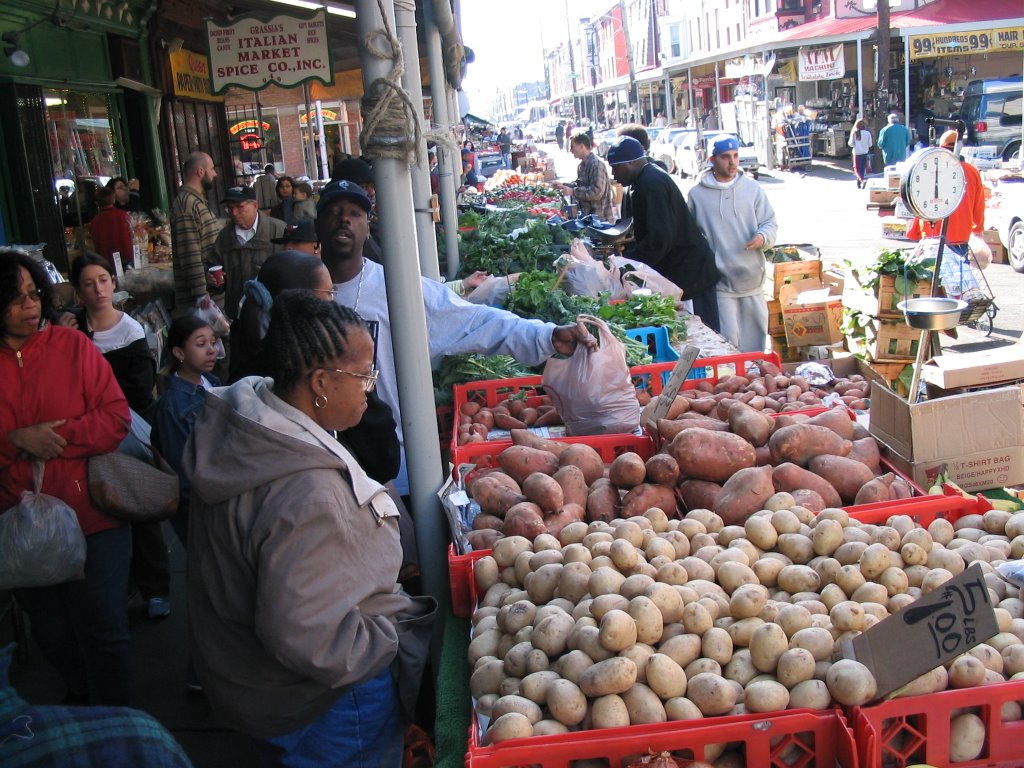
(915, 730)
(922, 509)
(461, 582)
(794, 739)
(652, 377)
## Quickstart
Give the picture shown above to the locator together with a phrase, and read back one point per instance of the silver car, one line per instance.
(689, 164)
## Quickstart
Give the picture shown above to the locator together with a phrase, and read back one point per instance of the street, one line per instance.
(821, 205)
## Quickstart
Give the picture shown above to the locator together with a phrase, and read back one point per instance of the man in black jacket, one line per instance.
(667, 236)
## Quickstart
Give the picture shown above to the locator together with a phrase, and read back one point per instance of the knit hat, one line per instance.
(625, 150)
(724, 143)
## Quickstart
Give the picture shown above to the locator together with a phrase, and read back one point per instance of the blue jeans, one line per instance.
(82, 626)
(862, 166)
(506, 159)
(362, 730)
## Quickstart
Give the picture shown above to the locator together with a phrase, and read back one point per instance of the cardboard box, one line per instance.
(882, 196)
(970, 369)
(894, 228)
(977, 438)
(995, 245)
(885, 340)
(934, 629)
(786, 353)
(812, 313)
(787, 272)
(882, 300)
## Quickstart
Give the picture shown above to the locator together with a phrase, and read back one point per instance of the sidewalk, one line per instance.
(158, 666)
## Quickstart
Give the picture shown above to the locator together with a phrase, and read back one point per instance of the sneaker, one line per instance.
(158, 608)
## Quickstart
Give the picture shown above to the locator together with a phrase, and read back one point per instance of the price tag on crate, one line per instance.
(942, 624)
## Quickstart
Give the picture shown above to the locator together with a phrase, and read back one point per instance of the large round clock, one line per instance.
(934, 185)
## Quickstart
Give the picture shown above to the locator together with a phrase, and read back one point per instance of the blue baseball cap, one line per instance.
(625, 150)
(345, 189)
(724, 143)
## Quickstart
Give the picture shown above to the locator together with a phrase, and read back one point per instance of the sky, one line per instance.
(509, 40)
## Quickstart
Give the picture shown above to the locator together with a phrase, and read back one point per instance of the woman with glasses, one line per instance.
(60, 405)
(294, 551)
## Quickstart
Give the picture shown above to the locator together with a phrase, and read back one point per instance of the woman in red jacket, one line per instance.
(61, 405)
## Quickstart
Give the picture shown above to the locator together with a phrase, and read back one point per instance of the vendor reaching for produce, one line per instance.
(592, 189)
(454, 326)
(739, 222)
(667, 237)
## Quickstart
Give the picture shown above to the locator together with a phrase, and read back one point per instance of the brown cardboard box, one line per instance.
(995, 245)
(977, 438)
(882, 196)
(885, 340)
(811, 313)
(936, 628)
(790, 271)
(970, 369)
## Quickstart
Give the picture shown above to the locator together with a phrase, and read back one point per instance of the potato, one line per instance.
(566, 702)
(767, 644)
(766, 696)
(511, 725)
(645, 496)
(847, 616)
(816, 640)
(717, 645)
(682, 649)
(712, 694)
(647, 617)
(487, 677)
(551, 634)
(609, 711)
(617, 630)
(827, 536)
(519, 704)
(966, 737)
(572, 665)
(732, 575)
(703, 454)
(801, 442)
(966, 671)
(665, 677)
(643, 705)
(810, 694)
(795, 666)
(627, 470)
(850, 683)
(662, 469)
(743, 494)
(512, 618)
(584, 457)
(680, 708)
(610, 676)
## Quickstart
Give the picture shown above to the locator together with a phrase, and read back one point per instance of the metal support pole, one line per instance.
(412, 82)
(441, 117)
(718, 97)
(409, 334)
(308, 140)
(860, 79)
(906, 81)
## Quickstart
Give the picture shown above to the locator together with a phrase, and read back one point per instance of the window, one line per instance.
(249, 139)
(675, 47)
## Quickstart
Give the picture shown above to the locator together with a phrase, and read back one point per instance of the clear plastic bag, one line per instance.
(646, 277)
(206, 309)
(493, 291)
(980, 252)
(592, 390)
(585, 275)
(41, 543)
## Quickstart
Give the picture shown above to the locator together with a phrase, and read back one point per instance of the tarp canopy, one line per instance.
(470, 117)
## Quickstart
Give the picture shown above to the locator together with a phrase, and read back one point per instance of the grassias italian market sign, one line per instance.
(252, 52)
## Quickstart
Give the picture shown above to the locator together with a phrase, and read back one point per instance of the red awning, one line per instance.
(828, 28)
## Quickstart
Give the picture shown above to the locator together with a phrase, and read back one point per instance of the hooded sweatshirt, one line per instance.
(294, 556)
(731, 213)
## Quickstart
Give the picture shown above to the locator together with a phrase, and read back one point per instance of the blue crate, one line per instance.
(656, 339)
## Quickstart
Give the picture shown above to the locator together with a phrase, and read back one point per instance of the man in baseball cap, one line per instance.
(300, 236)
(350, 190)
(667, 237)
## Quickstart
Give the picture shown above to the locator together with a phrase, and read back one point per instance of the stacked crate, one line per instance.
(886, 337)
(779, 275)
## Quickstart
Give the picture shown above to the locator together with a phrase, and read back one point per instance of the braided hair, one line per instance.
(305, 332)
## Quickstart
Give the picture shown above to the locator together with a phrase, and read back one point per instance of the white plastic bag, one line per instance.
(41, 543)
(592, 391)
(646, 277)
(493, 291)
(981, 253)
(585, 275)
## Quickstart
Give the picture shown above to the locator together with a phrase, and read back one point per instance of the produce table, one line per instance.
(711, 344)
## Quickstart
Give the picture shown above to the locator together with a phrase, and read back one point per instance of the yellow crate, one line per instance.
(789, 272)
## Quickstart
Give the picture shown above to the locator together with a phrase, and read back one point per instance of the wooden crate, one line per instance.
(785, 352)
(885, 340)
(882, 301)
(789, 272)
(890, 373)
(776, 327)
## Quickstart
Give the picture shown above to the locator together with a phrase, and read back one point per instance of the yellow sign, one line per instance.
(329, 115)
(248, 125)
(190, 73)
(960, 43)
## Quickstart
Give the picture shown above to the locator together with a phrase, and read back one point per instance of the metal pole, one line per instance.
(445, 156)
(322, 169)
(409, 333)
(309, 141)
(689, 95)
(860, 80)
(906, 81)
(718, 97)
(412, 82)
(259, 122)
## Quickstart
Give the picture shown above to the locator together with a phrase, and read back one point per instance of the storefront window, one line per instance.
(254, 143)
(83, 151)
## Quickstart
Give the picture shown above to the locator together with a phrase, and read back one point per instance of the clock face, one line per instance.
(934, 185)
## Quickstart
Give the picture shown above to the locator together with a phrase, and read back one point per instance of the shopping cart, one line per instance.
(962, 278)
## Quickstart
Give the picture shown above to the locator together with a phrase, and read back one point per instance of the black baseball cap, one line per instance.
(346, 189)
(300, 232)
(239, 194)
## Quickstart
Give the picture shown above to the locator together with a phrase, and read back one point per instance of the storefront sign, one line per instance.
(822, 63)
(327, 115)
(252, 53)
(248, 125)
(959, 43)
(190, 72)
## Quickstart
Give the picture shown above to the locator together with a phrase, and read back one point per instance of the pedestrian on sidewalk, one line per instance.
(861, 142)
(894, 141)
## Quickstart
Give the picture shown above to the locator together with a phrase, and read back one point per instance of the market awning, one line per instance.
(946, 12)
(828, 28)
(470, 117)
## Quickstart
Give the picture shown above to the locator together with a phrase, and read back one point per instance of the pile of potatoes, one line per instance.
(476, 421)
(651, 619)
(767, 388)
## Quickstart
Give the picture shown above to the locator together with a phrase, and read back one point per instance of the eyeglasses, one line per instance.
(331, 293)
(32, 296)
(369, 379)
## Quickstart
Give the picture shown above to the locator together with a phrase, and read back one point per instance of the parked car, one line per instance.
(1008, 221)
(992, 111)
(689, 164)
(603, 140)
(664, 148)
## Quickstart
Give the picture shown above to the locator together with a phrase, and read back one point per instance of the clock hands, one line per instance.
(936, 181)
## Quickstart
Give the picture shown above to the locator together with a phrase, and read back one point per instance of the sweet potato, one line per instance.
(798, 443)
(570, 513)
(865, 451)
(743, 494)
(484, 521)
(836, 419)
(526, 437)
(752, 425)
(789, 477)
(844, 474)
(574, 485)
(764, 455)
(483, 539)
(521, 461)
(584, 457)
(900, 489)
(547, 419)
(507, 421)
(706, 455)
(878, 489)
(494, 497)
(699, 494)
(663, 469)
(469, 408)
(647, 495)
(603, 501)
(789, 419)
(524, 519)
(627, 470)
(805, 497)
(544, 491)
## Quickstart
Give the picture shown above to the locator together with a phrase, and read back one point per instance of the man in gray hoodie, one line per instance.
(739, 223)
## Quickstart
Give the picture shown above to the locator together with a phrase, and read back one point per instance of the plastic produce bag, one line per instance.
(493, 291)
(634, 272)
(981, 253)
(585, 275)
(41, 542)
(206, 309)
(592, 390)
